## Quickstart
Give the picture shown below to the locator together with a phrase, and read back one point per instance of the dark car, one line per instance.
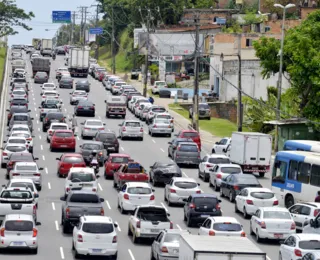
(41, 77)
(66, 82)
(164, 93)
(60, 50)
(83, 85)
(199, 207)
(85, 107)
(19, 101)
(162, 173)
(88, 147)
(19, 157)
(109, 140)
(174, 144)
(232, 184)
(16, 109)
(50, 118)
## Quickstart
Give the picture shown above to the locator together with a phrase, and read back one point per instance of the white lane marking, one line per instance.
(145, 132)
(185, 174)
(39, 129)
(36, 115)
(153, 141)
(35, 109)
(78, 138)
(34, 99)
(109, 130)
(163, 206)
(37, 121)
(46, 169)
(99, 117)
(43, 158)
(162, 150)
(119, 229)
(108, 204)
(40, 137)
(65, 110)
(57, 225)
(268, 258)
(53, 206)
(49, 185)
(34, 103)
(61, 252)
(121, 148)
(178, 227)
(100, 187)
(131, 255)
(41, 147)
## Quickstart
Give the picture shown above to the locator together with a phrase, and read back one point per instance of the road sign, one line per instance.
(61, 16)
(98, 30)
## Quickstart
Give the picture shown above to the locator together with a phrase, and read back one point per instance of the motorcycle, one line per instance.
(94, 163)
(53, 57)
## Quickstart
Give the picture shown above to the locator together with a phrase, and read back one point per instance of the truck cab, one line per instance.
(116, 106)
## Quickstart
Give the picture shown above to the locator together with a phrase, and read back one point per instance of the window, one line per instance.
(315, 175)
(98, 228)
(227, 227)
(305, 211)
(171, 238)
(70, 159)
(293, 170)
(18, 225)
(249, 42)
(262, 195)
(120, 160)
(304, 172)
(185, 185)
(290, 241)
(82, 176)
(223, 141)
(279, 171)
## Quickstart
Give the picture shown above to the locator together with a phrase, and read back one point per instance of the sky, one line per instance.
(42, 10)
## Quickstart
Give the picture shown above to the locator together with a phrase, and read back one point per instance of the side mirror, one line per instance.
(63, 198)
(153, 190)
(115, 224)
(168, 214)
(216, 142)
(31, 118)
(61, 102)
(81, 123)
(185, 200)
(169, 142)
(198, 184)
(224, 150)
(8, 110)
(58, 159)
(29, 110)
(40, 107)
(105, 101)
(281, 242)
(151, 167)
(80, 146)
(36, 195)
(119, 124)
(97, 176)
(104, 123)
(219, 201)
(40, 169)
(38, 223)
(36, 159)
(312, 223)
(4, 142)
(101, 200)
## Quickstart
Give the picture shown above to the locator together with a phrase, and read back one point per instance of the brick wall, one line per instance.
(275, 26)
(305, 11)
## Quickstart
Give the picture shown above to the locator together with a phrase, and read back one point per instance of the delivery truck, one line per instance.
(40, 64)
(193, 247)
(252, 151)
(46, 47)
(78, 62)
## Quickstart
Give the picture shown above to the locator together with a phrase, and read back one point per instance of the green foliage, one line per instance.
(154, 70)
(232, 27)
(204, 76)
(269, 5)
(203, 3)
(252, 18)
(272, 91)
(231, 4)
(11, 16)
(249, 7)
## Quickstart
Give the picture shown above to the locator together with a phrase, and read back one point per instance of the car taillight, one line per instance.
(297, 252)
(249, 202)
(208, 165)
(10, 164)
(212, 233)
(86, 128)
(25, 96)
(91, 107)
(114, 240)
(151, 113)
(126, 196)
(243, 234)
(73, 95)
(102, 128)
(12, 95)
(293, 226)
(67, 189)
(29, 139)
(4, 154)
(47, 119)
(34, 209)
(15, 174)
(123, 129)
(154, 126)
(171, 121)
(141, 129)
(164, 249)
(316, 212)
(236, 187)
(192, 206)
(262, 224)
(138, 224)
(152, 197)
(2, 232)
(80, 238)
(80, 107)
(94, 189)
(219, 176)
(172, 191)
(35, 232)
(50, 132)
(275, 203)
(171, 225)
(43, 96)
(198, 191)
(37, 77)
(37, 174)
(67, 212)
(218, 207)
(102, 212)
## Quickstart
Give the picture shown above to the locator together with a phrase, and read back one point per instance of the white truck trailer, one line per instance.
(78, 62)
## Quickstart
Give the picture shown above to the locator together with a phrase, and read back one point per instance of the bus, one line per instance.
(302, 145)
(296, 177)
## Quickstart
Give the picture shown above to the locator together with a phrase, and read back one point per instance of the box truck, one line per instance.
(40, 64)
(193, 247)
(78, 62)
(46, 47)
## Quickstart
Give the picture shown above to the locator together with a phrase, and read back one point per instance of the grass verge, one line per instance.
(2, 60)
(215, 126)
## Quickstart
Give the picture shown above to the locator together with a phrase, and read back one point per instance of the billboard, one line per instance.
(90, 37)
(166, 44)
(61, 16)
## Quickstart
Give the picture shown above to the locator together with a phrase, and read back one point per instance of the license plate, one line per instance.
(154, 230)
(96, 250)
(63, 146)
(278, 235)
(161, 130)
(18, 243)
(205, 216)
(176, 251)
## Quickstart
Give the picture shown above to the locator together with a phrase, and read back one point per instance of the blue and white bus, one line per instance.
(302, 145)
(296, 176)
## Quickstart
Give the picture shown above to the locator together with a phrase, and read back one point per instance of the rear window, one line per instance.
(23, 225)
(107, 137)
(188, 148)
(219, 160)
(262, 195)
(26, 168)
(98, 228)
(20, 118)
(190, 134)
(158, 109)
(170, 238)
(133, 124)
(16, 194)
(162, 121)
(230, 170)
(48, 105)
(54, 127)
(19, 92)
(309, 245)
(17, 141)
(277, 214)
(139, 190)
(247, 180)
(70, 159)
(205, 200)
(82, 176)
(20, 135)
(26, 157)
(54, 115)
(164, 116)
(15, 148)
(63, 134)
(120, 160)
(22, 185)
(84, 198)
(94, 123)
(91, 147)
(227, 227)
(185, 185)
(50, 94)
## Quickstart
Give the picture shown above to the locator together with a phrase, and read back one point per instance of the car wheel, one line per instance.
(289, 201)
(258, 239)
(245, 214)
(129, 231)
(251, 231)
(65, 228)
(280, 256)
(169, 154)
(73, 245)
(199, 174)
(221, 193)
(236, 208)
(231, 197)
(134, 238)
(122, 211)
(151, 256)
(48, 140)
(165, 197)
(77, 255)
(114, 184)
(213, 151)
(216, 188)
(39, 188)
(205, 177)
(151, 133)
(34, 251)
(189, 222)
(3, 165)
(43, 129)
(154, 183)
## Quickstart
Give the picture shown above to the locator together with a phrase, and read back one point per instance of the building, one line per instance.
(226, 64)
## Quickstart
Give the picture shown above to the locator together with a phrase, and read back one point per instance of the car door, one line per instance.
(203, 163)
(213, 173)
(152, 169)
(168, 187)
(288, 248)
(295, 212)
(240, 199)
(218, 148)
(205, 227)
(120, 129)
(121, 192)
(254, 219)
(156, 244)
(229, 185)
(186, 206)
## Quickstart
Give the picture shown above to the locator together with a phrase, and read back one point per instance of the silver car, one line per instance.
(27, 170)
(137, 105)
(18, 94)
(18, 140)
(180, 188)
(144, 111)
(19, 127)
(153, 111)
(187, 153)
(91, 127)
(10, 149)
(21, 118)
(160, 127)
(166, 116)
(170, 240)
(131, 129)
(47, 86)
(77, 95)
(204, 111)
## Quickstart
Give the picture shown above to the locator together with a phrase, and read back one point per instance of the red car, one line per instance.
(113, 163)
(130, 172)
(102, 75)
(67, 161)
(63, 139)
(190, 134)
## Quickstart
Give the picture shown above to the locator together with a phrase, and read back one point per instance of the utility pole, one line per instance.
(239, 107)
(73, 22)
(146, 60)
(112, 44)
(83, 23)
(96, 54)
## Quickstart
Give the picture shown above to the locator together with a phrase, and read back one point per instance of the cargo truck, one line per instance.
(78, 62)
(36, 43)
(193, 247)
(252, 151)
(46, 47)
(40, 64)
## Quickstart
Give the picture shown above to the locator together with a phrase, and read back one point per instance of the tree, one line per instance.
(301, 59)
(10, 16)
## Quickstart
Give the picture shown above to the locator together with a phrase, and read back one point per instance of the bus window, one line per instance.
(315, 175)
(293, 170)
(279, 171)
(304, 172)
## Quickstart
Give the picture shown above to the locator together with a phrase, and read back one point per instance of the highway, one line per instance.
(53, 244)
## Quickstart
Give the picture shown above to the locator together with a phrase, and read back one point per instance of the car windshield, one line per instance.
(18, 92)
(26, 168)
(55, 116)
(16, 194)
(133, 124)
(227, 227)
(98, 228)
(185, 185)
(22, 185)
(107, 137)
(160, 84)
(54, 127)
(230, 169)
(19, 225)
(276, 214)
(172, 238)
(262, 195)
(219, 160)
(120, 160)
(80, 93)
(139, 190)
(49, 85)
(191, 134)
(63, 134)
(70, 159)
(82, 176)
(84, 198)
(310, 244)
(17, 141)
(91, 147)
(95, 123)
(163, 116)
(20, 118)
(52, 101)
(204, 106)
(16, 148)
(47, 105)
(188, 148)
(205, 201)
(158, 110)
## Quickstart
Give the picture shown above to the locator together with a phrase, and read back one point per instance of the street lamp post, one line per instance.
(280, 69)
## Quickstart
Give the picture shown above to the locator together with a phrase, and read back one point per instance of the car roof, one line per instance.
(81, 169)
(218, 156)
(183, 179)
(189, 131)
(21, 132)
(188, 143)
(63, 131)
(99, 219)
(55, 123)
(93, 120)
(16, 137)
(72, 155)
(259, 189)
(21, 114)
(138, 184)
(13, 144)
(26, 163)
(224, 219)
(83, 192)
(92, 142)
(307, 236)
(132, 120)
(229, 165)
(175, 231)
(204, 195)
(282, 209)
(119, 155)
(312, 204)
(11, 217)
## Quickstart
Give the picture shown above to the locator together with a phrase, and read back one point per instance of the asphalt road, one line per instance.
(53, 244)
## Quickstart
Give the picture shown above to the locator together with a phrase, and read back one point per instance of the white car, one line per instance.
(21, 71)
(18, 231)
(223, 144)
(221, 226)
(116, 87)
(303, 212)
(157, 85)
(91, 127)
(49, 93)
(54, 100)
(133, 101)
(208, 162)
(221, 171)
(131, 129)
(61, 71)
(153, 111)
(133, 194)
(144, 112)
(296, 246)
(179, 189)
(272, 223)
(10, 149)
(25, 134)
(137, 110)
(47, 86)
(78, 95)
(19, 140)
(249, 200)
(81, 178)
(21, 183)
(20, 127)
(166, 116)
(18, 94)
(95, 235)
(55, 126)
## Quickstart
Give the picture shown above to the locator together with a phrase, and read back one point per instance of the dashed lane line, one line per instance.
(122, 149)
(41, 147)
(164, 206)
(162, 150)
(49, 186)
(53, 206)
(153, 141)
(43, 158)
(39, 129)
(61, 252)
(78, 138)
(40, 137)
(131, 255)
(57, 225)
(185, 174)
(108, 204)
(178, 227)
(100, 187)
(38, 122)
(119, 229)
(46, 170)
